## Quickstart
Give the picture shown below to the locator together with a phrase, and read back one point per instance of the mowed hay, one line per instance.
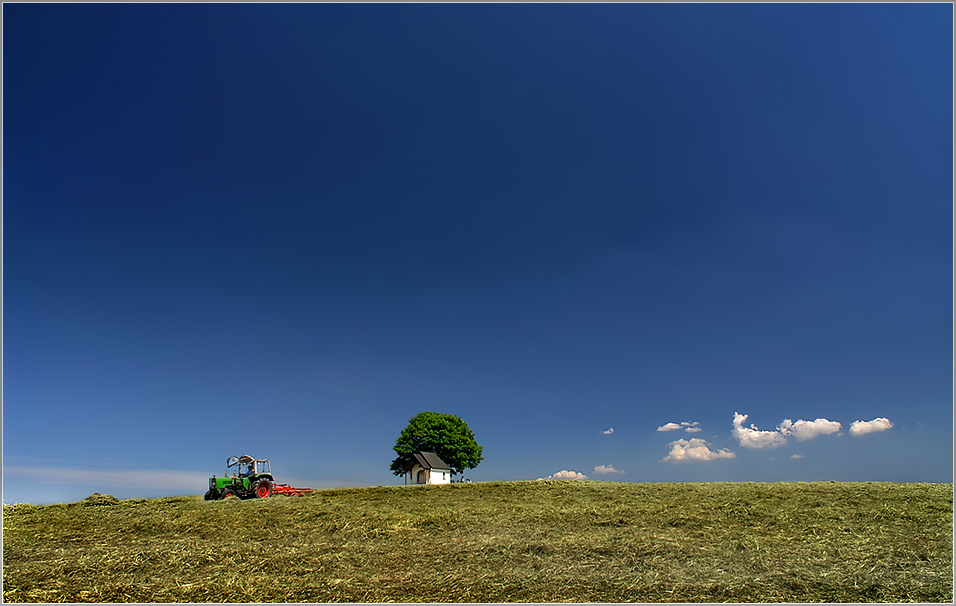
(494, 542)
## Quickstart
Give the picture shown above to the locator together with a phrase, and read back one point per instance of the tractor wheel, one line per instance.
(208, 496)
(228, 494)
(263, 489)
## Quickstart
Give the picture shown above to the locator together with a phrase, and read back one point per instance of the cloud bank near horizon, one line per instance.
(108, 481)
(112, 479)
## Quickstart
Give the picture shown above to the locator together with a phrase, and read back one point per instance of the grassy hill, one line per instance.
(501, 542)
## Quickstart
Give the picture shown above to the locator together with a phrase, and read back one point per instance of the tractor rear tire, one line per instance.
(228, 493)
(263, 489)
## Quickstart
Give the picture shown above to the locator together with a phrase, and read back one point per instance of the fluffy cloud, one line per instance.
(806, 430)
(751, 437)
(564, 474)
(796, 456)
(606, 469)
(609, 431)
(695, 449)
(688, 426)
(861, 428)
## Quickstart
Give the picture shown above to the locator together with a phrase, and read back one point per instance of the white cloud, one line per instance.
(564, 474)
(669, 427)
(606, 469)
(688, 426)
(695, 449)
(861, 428)
(796, 456)
(806, 430)
(751, 437)
(609, 431)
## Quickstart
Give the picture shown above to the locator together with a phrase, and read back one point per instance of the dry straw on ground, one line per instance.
(494, 542)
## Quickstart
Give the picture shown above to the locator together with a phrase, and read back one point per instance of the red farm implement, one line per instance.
(285, 489)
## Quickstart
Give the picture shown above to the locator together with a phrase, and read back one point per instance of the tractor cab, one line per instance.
(248, 467)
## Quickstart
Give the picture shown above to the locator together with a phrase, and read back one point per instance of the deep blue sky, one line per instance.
(284, 230)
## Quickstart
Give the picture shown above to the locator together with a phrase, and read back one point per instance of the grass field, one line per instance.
(494, 542)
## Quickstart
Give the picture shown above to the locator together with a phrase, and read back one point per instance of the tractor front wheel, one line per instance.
(228, 493)
(263, 489)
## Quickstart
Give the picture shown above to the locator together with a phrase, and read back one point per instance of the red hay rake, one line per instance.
(286, 490)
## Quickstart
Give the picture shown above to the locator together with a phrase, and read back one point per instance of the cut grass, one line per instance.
(494, 542)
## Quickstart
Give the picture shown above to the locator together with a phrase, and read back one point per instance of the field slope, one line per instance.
(501, 542)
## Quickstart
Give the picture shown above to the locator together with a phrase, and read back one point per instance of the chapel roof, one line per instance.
(430, 460)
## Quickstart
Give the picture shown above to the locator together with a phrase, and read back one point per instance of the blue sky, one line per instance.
(284, 230)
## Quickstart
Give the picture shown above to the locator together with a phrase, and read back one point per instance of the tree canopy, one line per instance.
(446, 435)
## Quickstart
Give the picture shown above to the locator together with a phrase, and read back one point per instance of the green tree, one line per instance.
(446, 435)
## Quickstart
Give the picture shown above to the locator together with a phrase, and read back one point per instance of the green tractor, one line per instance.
(252, 478)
